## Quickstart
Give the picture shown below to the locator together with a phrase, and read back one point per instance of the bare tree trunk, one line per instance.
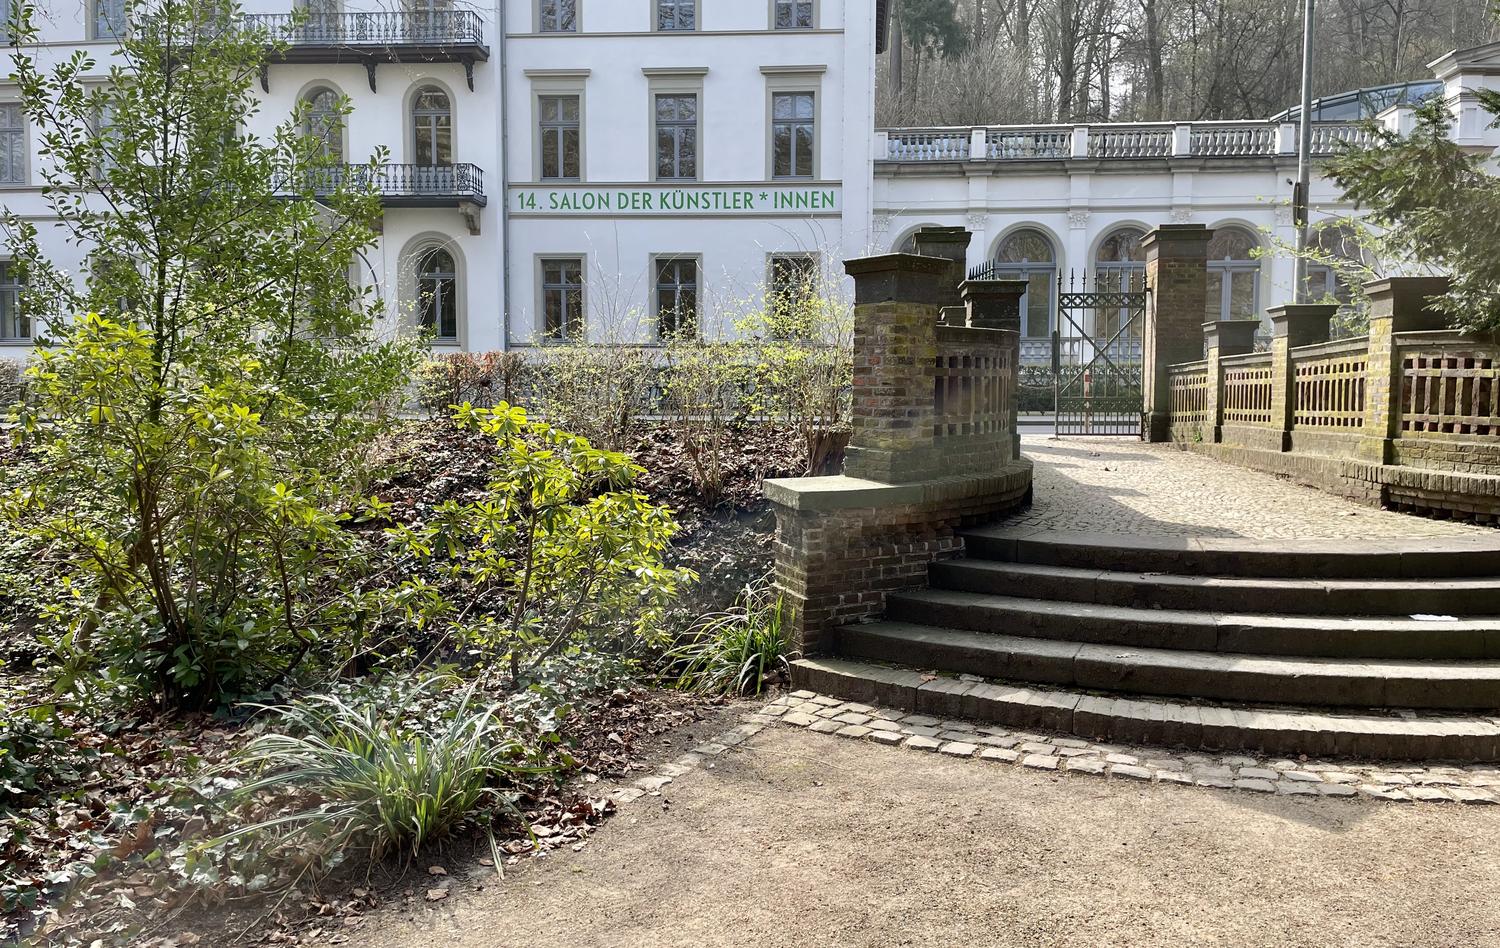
(1155, 69)
(898, 52)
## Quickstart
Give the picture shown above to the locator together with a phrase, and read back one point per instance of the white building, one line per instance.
(1048, 201)
(607, 168)
(560, 168)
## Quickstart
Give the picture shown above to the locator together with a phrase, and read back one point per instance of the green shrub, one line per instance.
(738, 651)
(560, 556)
(378, 781)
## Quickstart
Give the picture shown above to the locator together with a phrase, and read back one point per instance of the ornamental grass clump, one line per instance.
(366, 777)
(738, 651)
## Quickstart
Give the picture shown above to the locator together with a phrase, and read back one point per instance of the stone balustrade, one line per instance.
(934, 444)
(1406, 416)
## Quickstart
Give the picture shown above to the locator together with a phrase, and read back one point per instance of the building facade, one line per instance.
(1055, 203)
(616, 170)
(558, 169)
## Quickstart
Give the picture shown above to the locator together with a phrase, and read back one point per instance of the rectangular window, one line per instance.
(794, 281)
(558, 16)
(561, 137)
(562, 298)
(12, 144)
(794, 14)
(109, 19)
(677, 136)
(673, 15)
(677, 296)
(14, 326)
(792, 134)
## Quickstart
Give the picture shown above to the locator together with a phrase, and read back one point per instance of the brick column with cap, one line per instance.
(951, 244)
(1223, 338)
(1177, 275)
(996, 304)
(1399, 304)
(895, 344)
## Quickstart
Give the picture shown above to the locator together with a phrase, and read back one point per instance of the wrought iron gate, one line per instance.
(1097, 354)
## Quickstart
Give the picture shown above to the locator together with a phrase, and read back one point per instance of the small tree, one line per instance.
(1436, 205)
(195, 438)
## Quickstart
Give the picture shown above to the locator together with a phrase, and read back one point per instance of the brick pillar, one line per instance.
(996, 304)
(1292, 325)
(1177, 274)
(1396, 305)
(1223, 338)
(951, 244)
(896, 300)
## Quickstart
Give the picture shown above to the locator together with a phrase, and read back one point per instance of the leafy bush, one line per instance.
(739, 650)
(705, 394)
(478, 378)
(559, 556)
(206, 559)
(597, 391)
(378, 781)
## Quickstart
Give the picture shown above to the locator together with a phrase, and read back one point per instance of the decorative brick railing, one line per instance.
(1329, 385)
(1450, 385)
(1407, 416)
(1189, 386)
(934, 443)
(1246, 386)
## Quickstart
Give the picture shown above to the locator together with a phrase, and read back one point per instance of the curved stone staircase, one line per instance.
(1377, 648)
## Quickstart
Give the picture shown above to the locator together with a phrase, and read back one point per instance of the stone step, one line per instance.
(1445, 558)
(1237, 633)
(1282, 596)
(1373, 683)
(1275, 731)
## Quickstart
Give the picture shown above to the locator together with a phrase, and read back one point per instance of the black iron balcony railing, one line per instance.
(370, 38)
(403, 185)
(432, 28)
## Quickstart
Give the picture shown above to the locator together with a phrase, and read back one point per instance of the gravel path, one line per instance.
(798, 838)
(1109, 485)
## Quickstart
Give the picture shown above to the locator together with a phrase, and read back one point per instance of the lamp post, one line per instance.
(1304, 156)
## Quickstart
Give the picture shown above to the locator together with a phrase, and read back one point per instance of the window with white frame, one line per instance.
(794, 14)
(676, 297)
(561, 134)
(1233, 276)
(323, 122)
(557, 16)
(14, 326)
(1027, 254)
(676, 15)
(437, 293)
(793, 134)
(432, 127)
(12, 143)
(677, 136)
(562, 298)
(793, 283)
(109, 19)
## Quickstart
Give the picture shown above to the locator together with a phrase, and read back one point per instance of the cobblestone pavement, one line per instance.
(1397, 783)
(1107, 485)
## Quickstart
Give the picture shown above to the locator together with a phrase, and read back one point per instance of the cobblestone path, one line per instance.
(1106, 485)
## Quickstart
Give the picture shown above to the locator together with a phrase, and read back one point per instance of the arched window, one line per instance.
(432, 128)
(324, 123)
(1233, 276)
(1027, 254)
(437, 292)
(1120, 263)
(1323, 280)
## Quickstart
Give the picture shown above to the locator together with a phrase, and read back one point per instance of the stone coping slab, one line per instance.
(840, 492)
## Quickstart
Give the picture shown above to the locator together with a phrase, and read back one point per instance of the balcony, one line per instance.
(1109, 142)
(459, 186)
(446, 36)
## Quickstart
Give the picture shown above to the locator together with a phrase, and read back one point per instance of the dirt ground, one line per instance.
(805, 839)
